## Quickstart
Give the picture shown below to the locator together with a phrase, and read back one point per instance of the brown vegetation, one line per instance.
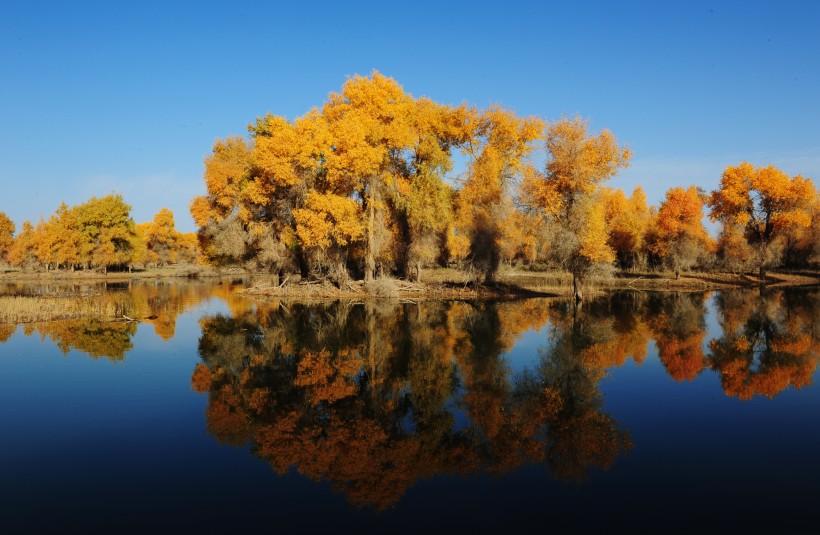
(455, 284)
(24, 309)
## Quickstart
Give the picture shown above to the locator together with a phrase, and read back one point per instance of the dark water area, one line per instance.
(669, 412)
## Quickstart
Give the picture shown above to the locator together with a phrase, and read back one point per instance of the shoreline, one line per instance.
(57, 303)
(521, 284)
(440, 283)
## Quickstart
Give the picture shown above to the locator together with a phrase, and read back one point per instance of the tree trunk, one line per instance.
(762, 274)
(370, 261)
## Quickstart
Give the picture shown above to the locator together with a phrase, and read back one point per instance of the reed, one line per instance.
(25, 309)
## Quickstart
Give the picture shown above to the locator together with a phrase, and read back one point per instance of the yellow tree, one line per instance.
(568, 194)
(417, 195)
(108, 233)
(498, 147)
(677, 236)
(253, 186)
(141, 243)
(372, 144)
(61, 239)
(326, 226)
(42, 245)
(6, 235)
(288, 164)
(519, 237)
(162, 240)
(21, 252)
(627, 222)
(733, 251)
(188, 251)
(767, 202)
(370, 122)
(803, 243)
(227, 173)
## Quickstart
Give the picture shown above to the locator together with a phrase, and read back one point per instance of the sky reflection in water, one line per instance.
(639, 408)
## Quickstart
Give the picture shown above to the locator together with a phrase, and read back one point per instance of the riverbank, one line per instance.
(176, 271)
(454, 284)
(443, 283)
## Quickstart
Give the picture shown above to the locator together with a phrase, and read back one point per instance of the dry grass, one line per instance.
(172, 271)
(23, 309)
(383, 287)
(451, 283)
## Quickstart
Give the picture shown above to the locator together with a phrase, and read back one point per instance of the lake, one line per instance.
(668, 412)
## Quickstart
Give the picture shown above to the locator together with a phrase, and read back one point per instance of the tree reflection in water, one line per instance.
(368, 396)
(769, 342)
(363, 395)
(374, 397)
(110, 337)
(678, 325)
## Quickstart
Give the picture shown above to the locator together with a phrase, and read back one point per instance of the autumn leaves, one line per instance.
(376, 181)
(765, 213)
(359, 187)
(97, 234)
(366, 185)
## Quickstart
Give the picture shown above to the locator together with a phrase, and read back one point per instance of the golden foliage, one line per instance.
(762, 351)
(627, 224)
(593, 236)
(579, 163)
(6, 235)
(327, 220)
(767, 203)
(498, 146)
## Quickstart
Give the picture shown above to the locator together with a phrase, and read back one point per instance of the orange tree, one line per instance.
(627, 223)
(676, 236)
(767, 203)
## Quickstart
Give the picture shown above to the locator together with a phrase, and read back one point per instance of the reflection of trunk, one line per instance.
(371, 350)
(576, 291)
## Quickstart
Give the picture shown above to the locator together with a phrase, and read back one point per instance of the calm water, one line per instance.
(645, 411)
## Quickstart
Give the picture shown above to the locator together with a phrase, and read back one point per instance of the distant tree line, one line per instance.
(98, 234)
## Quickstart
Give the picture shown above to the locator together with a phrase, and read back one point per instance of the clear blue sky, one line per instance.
(101, 97)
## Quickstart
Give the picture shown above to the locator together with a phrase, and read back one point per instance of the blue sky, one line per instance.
(128, 97)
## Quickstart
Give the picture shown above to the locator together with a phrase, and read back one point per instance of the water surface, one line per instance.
(648, 411)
